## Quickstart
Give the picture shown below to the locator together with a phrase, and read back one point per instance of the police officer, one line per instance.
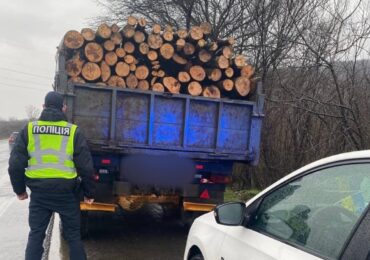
(51, 157)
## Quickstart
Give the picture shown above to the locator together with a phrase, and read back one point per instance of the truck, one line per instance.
(185, 146)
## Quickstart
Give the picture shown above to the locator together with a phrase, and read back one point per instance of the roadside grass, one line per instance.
(240, 195)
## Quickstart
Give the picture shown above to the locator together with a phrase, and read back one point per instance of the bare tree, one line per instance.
(32, 112)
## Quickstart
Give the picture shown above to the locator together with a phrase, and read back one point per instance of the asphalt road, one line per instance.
(145, 234)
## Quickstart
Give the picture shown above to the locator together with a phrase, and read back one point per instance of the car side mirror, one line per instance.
(230, 214)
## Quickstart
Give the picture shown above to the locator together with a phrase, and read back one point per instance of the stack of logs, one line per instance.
(160, 60)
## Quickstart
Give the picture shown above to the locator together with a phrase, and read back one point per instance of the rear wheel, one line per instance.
(197, 257)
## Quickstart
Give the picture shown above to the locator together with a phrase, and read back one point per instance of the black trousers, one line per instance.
(41, 207)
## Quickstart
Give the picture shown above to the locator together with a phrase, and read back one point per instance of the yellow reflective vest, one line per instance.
(50, 147)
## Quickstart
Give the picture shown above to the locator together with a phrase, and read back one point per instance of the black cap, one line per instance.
(54, 100)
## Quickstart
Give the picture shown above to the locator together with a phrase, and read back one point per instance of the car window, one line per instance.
(317, 211)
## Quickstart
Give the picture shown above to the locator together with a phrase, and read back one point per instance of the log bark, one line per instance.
(102, 84)
(122, 69)
(179, 60)
(194, 88)
(144, 48)
(111, 58)
(152, 55)
(120, 52)
(129, 59)
(142, 72)
(242, 86)
(73, 40)
(183, 77)
(197, 73)
(88, 34)
(91, 71)
(247, 71)
(109, 45)
(172, 84)
(116, 81)
(139, 37)
(104, 31)
(155, 41)
(143, 85)
(189, 49)
(204, 56)
(129, 47)
(105, 71)
(158, 87)
(131, 81)
(153, 81)
(167, 51)
(94, 52)
(229, 72)
(74, 66)
(116, 38)
(214, 74)
(212, 92)
(196, 33)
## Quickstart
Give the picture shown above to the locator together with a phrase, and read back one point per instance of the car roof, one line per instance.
(364, 154)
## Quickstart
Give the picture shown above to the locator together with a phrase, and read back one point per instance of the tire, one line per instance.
(197, 257)
(84, 224)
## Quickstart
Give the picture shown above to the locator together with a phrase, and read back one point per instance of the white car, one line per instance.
(320, 211)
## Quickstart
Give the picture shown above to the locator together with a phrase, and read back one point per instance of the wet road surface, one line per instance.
(144, 234)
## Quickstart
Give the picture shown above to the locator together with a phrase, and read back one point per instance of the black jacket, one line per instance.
(19, 157)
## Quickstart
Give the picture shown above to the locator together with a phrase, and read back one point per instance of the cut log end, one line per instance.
(158, 87)
(143, 85)
(229, 72)
(239, 61)
(122, 69)
(212, 92)
(247, 71)
(214, 74)
(74, 66)
(152, 55)
(242, 86)
(129, 47)
(222, 62)
(204, 56)
(194, 88)
(155, 41)
(196, 33)
(144, 48)
(183, 77)
(131, 20)
(179, 60)
(132, 81)
(94, 52)
(120, 52)
(206, 28)
(142, 72)
(73, 40)
(139, 37)
(182, 33)
(172, 84)
(111, 58)
(156, 28)
(197, 73)
(105, 71)
(91, 71)
(167, 51)
(104, 31)
(116, 38)
(116, 81)
(88, 34)
(227, 85)
(109, 45)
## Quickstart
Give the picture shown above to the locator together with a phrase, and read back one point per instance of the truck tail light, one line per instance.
(105, 161)
(199, 167)
(96, 177)
(220, 179)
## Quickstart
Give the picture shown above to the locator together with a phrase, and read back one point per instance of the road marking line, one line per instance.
(5, 205)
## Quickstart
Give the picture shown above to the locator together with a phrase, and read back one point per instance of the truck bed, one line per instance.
(134, 121)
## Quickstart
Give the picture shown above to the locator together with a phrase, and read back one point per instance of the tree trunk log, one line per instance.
(182, 33)
(94, 52)
(144, 48)
(120, 52)
(197, 73)
(142, 72)
(116, 38)
(242, 86)
(104, 31)
(116, 81)
(133, 67)
(227, 85)
(212, 92)
(139, 37)
(76, 80)
(122, 69)
(143, 85)
(91, 71)
(204, 56)
(128, 31)
(109, 45)
(247, 71)
(74, 66)
(105, 71)
(222, 62)
(167, 51)
(129, 47)
(73, 40)
(189, 49)
(206, 28)
(158, 87)
(229, 72)
(196, 33)
(179, 60)
(131, 20)
(129, 59)
(111, 58)
(194, 88)
(172, 84)
(156, 28)
(155, 41)
(88, 34)
(183, 77)
(115, 28)
(131, 81)
(239, 61)
(214, 74)
(152, 55)
(168, 36)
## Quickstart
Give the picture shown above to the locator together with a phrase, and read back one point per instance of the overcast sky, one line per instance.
(30, 31)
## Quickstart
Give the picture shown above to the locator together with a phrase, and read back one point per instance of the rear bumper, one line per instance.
(98, 207)
(203, 207)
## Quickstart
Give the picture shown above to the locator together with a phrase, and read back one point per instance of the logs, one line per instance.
(176, 61)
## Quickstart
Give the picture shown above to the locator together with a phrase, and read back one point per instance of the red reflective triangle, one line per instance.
(204, 194)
